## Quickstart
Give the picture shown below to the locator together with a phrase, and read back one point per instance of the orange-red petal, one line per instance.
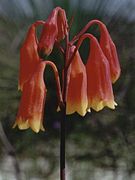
(55, 28)
(61, 24)
(109, 49)
(76, 97)
(30, 113)
(100, 93)
(28, 56)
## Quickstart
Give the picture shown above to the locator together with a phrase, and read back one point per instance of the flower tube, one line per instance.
(99, 87)
(76, 95)
(31, 108)
(28, 55)
(54, 29)
(107, 45)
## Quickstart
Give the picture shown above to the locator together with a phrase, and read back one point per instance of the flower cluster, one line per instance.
(84, 87)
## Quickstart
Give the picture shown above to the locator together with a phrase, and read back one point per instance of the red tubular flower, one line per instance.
(76, 95)
(30, 113)
(28, 55)
(109, 49)
(61, 24)
(99, 89)
(54, 29)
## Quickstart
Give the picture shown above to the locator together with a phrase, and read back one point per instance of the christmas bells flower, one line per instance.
(54, 29)
(84, 86)
(107, 45)
(31, 108)
(99, 88)
(76, 95)
(109, 49)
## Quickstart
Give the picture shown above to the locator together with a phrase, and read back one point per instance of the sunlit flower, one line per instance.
(76, 97)
(30, 113)
(54, 29)
(28, 56)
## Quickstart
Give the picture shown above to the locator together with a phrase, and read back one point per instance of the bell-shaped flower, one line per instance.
(28, 55)
(109, 49)
(54, 29)
(76, 92)
(99, 86)
(31, 108)
(62, 24)
(100, 93)
(107, 46)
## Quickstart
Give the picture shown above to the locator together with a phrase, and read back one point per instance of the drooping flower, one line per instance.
(107, 46)
(29, 57)
(61, 24)
(99, 86)
(100, 93)
(76, 93)
(31, 109)
(109, 49)
(54, 29)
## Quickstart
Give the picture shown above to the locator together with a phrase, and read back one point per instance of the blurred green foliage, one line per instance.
(104, 139)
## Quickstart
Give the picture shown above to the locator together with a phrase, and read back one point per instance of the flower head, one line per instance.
(76, 95)
(30, 113)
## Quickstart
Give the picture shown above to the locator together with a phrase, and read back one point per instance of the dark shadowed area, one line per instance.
(100, 146)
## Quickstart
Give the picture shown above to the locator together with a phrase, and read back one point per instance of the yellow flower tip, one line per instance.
(14, 125)
(22, 124)
(89, 110)
(36, 124)
(20, 88)
(111, 104)
(58, 109)
(97, 106)
(115, 103)
(81, 108)
(82, 112)
(42, 128)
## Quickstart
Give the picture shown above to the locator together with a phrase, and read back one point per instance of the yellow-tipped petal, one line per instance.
(30, 113)
(100, 92)
(89, 110)
(42, 127)
(35, 125)
(97, 106)
(111, 104)
(76, 97)
(22, 124)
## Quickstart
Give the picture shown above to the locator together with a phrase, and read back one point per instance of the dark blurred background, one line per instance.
(99, 146)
